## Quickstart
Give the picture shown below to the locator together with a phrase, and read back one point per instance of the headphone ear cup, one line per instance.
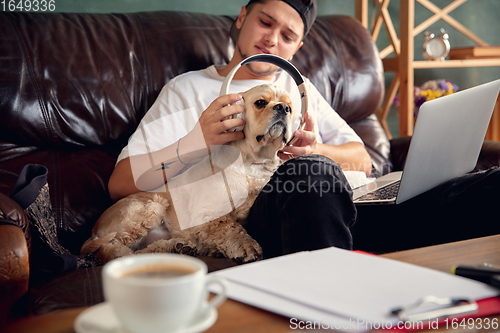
(296, 124)
(238, 115)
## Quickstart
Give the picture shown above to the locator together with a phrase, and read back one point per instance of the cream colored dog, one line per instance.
(148, 222)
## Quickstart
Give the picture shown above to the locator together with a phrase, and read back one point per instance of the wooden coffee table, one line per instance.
(241, 318)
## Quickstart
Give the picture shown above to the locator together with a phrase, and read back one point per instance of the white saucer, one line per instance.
(101, 319)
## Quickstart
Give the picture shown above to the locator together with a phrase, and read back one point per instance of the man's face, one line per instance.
(273, 27)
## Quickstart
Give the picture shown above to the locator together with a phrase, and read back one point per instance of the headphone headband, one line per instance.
(285, 65)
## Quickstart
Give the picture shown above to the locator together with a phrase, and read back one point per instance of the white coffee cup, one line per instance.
(159, 292)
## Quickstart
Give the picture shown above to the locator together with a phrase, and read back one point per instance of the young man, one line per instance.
(273, 27)
(282, 221)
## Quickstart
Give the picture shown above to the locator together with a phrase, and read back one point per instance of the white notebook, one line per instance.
(344, 290)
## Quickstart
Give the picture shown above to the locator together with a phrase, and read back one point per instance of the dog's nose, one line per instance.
(281, 108)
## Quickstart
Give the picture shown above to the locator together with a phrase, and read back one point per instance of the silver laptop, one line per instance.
(446, 143)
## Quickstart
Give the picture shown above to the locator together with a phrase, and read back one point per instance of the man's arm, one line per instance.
(132, 174)
(121, 183)
(351, 156)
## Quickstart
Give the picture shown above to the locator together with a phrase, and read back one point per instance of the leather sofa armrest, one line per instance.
(14, 268)
(399, 150)
(15, 241)
(11, 211)
(488, 157)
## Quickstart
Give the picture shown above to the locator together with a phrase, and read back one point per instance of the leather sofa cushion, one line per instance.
(87, 79)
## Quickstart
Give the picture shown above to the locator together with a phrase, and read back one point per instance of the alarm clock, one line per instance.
(436, 47)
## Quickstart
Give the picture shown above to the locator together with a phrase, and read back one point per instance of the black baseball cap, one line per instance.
(307, 9)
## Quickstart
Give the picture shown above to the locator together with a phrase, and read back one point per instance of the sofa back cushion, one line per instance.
(87, 79)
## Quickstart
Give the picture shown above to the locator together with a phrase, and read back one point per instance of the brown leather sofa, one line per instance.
(73, 88)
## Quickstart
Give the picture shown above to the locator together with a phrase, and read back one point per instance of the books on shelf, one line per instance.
(474, 52)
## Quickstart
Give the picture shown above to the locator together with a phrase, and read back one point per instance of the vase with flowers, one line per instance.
(429, 91)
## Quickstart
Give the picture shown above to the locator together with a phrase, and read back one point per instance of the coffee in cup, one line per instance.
(158, 272)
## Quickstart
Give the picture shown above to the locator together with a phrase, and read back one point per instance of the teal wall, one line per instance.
(480, 16)
(223, 7)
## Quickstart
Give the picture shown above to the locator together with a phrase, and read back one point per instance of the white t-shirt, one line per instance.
(183, 99)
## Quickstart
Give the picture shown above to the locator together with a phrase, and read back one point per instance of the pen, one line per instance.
(484, 274)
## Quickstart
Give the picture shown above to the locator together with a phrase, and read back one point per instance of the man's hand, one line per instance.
(350, 155)
(305, 145)
(210, 131)
(213, 124)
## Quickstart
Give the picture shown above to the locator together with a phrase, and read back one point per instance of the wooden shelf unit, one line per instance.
(403, 63)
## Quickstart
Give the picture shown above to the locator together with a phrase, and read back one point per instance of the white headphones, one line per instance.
(290, 69)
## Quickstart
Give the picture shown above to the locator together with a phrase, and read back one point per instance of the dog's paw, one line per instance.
(248, 252)
(110, 251)
(183, 248)
(174, 245)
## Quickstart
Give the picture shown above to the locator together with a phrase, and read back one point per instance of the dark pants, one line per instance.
(307, 205)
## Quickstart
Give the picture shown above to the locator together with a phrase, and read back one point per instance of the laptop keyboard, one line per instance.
(384, 193)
